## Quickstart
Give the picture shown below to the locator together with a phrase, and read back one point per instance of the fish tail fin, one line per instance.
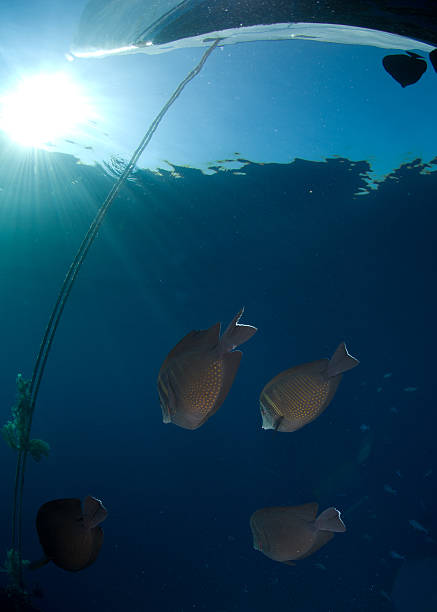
(330, 520)
(235, 334)
(341, 361)
(33, 565)
(94, 512)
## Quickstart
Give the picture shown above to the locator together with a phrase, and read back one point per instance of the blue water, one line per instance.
(313, 263)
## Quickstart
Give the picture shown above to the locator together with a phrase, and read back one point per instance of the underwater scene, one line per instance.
(217, 265)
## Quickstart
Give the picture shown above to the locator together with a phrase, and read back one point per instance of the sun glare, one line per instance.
(42, 108)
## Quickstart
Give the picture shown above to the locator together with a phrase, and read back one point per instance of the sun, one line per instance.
(42, 108)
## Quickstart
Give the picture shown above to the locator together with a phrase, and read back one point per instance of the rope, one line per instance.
(67, 285)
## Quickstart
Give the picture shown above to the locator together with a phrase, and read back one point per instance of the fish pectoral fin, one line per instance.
(33, 565)
(278, 423)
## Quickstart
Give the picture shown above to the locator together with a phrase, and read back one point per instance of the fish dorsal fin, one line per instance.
(181, 345)
(306, 512)
(208, 338)
(311, 368)
(194, 340)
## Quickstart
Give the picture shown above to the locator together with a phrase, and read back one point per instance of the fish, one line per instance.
(396, 555)
(197, 374)
(356, 505)
(70, 535)
(389, 489)
(418, 526)
(365, 447)
(299, 395)
(289, 533)
(405, 69)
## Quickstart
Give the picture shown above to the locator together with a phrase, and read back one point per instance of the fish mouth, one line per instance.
(259, 539)
(266, 418)
(269, 420)
(166, 418)
(256, 539)
(163, 400)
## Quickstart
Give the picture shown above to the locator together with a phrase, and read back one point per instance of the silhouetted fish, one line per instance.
(197, 374)
(299, 395)
(70, 537)
(288, 533)
(405, 69)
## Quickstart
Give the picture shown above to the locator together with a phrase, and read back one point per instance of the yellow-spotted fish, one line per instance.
(288, 533)
(299, 395)
(197, 374)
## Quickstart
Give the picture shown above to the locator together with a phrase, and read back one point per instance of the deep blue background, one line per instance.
(313, 263)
